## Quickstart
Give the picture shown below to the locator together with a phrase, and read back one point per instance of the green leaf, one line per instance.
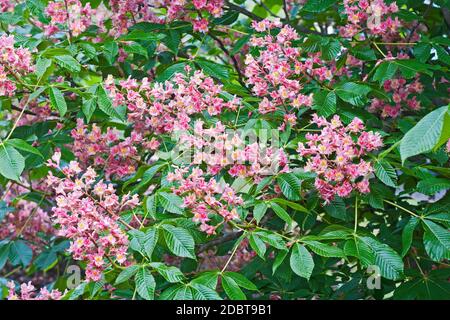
(259, 211)
(425, 135)
(241, 281)
(57, 100)
(353, 93)
(325, 103)
(4, 254)
(142, 35)
(111, 50)
(20, 253)
(170, 71)
(68, 62)
(177, 292)
(301, 261)
(12, 162)
(179, 241)
(145, 284)
(202, 292)
(136, 48)
(436, 240)
(150, 240)
(407, 234)
(42, 64)
(170, 273)
(385, 71)
(232, 289)
(279, 260)
(127, 273)
(88, 108)
(281, 213)
(24, 146)
(431, 186)
(325, 250)
(104, 103)
(318, 5)
(170, 202)
(257, 245)
(213, 69)
(386, 173)
(290, 186)
(389, 262)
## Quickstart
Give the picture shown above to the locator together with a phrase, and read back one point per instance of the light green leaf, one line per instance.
(57, 100)
(301, 261)
(179, 241)
(12, 162)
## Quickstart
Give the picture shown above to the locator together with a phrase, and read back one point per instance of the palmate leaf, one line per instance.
(179, 241)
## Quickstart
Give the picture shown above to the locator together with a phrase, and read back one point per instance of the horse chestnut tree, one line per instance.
(224, 149)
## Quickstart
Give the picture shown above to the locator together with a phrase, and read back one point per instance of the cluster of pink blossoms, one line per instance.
(373, 16)
(106, 150)
(14, 62)
(70, 13)
(222, 149)
(27, 219)
(165, 107)
(87, 212)
(6, 5)
(336, 157)
(274, 74)
(403, 93)
(205, 197)
(125, 13)
(28, 292)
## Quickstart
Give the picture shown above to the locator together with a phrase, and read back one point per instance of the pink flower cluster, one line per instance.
(28, 292)
(27, 220)
(274, 74)
(205, 197)
(70, 13)
(106, 150)
(14, 62)
(126, 13)
(87, 212)
(401, 95)
(6, 6)
(223, 149)
(372, 16)
(335, 155)
(165, 107)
